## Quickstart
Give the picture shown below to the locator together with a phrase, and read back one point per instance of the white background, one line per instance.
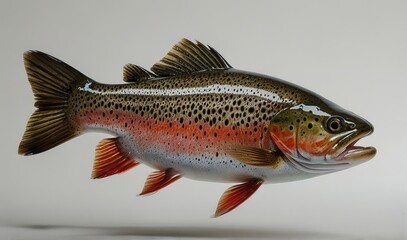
(352, 52)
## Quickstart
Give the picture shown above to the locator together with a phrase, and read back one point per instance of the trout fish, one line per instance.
(194, 116)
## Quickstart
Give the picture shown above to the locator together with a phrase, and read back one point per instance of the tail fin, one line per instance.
(52, 82)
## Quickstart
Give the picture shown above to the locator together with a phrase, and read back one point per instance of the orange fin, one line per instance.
(110, 159)
(236, 195)
(159, 179)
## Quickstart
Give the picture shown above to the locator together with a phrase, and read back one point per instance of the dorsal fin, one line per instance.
(134, 73)
(187, 57)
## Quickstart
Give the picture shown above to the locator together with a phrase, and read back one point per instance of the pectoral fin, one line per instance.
(160, 179)
(255, 156)
(236, 195)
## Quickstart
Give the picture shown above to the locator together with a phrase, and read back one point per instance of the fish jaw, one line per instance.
(353, 153)
(347, 151)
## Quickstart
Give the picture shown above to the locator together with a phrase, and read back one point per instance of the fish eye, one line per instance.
(335, 124)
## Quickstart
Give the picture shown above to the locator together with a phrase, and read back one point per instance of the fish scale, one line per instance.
(203, 125)
(194, 116)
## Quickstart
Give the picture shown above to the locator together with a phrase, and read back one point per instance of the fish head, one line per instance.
(321, 138)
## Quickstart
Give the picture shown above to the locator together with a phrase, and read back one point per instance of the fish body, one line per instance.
(190, 121)
(195, 116)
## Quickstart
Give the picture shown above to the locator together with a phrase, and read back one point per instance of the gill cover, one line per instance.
(305, 132)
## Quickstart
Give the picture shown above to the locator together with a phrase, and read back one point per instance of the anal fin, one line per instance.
(110, 159)
(159, 179)
(236, 195)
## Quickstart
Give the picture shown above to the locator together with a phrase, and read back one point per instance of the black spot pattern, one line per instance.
(242, 108)
(236, 108)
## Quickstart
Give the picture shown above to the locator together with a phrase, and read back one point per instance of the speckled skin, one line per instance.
(190, 131)
(194, 116)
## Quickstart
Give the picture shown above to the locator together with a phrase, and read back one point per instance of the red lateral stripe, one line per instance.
(159, 179)
(110, 160)
(190, 137)
(236, 195)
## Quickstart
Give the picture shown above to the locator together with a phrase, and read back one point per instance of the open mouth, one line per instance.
(353, 152)
(343, 155)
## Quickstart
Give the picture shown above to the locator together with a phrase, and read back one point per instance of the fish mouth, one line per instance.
(353, 152)
(343, 155)
(346, 149)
